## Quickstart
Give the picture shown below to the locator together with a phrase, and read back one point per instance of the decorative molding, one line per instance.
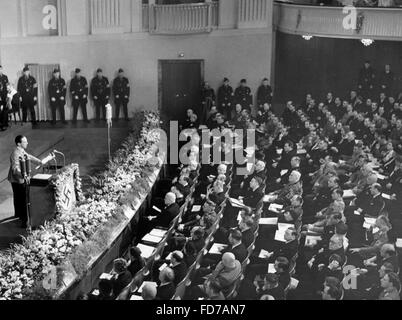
(323, 21)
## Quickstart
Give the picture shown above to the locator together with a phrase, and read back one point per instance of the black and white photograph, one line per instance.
(206, 156)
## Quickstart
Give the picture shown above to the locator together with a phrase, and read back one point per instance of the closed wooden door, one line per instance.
(180, 87)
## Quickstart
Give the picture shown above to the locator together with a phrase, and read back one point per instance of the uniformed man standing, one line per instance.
(3, 100)
(225, 97)
(366, 80)
(17, 179)
(79, 95)
(243, 95)
(264, 94)
(28, 89)
(57, 94)
(100, 91)
(121, 93)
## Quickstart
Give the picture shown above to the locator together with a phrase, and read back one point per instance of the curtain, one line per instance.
(43, 73)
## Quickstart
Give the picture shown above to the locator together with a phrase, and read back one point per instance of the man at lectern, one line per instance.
(16, 178)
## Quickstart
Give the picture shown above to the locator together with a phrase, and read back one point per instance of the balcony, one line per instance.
(181, 18)
(374, 23)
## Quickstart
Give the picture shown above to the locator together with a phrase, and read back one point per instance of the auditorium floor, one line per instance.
(85, 144)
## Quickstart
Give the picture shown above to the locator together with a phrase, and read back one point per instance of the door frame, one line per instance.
(160, 64)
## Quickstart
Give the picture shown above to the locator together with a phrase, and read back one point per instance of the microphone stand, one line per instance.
(26, 171)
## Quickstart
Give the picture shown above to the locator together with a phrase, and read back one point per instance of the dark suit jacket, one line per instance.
(180, 272)
(165, 292)
(217, 198)
(374, 206)
(253, 197)
(240, 252)
(167, 215)
(247, 237)
(287, 250)
(122, 281)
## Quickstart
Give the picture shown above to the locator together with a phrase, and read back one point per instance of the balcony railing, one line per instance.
(254, 13)
(182, 18)
(373, 23)
(105, 16)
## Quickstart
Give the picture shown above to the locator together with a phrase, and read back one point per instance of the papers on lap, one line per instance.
(280, 235)
(196, 209)
(152, 239)
(269, 198)
(283, 172)
(217, 248)
(274, 207)
(348, 193)
(268, 221)
(135, 297)
(368, 222)
(312, 240)
(271, 268)
(106, 276)
(158, 233)
(263, 254)
(236, 203)
(398, 243)
(146, 251)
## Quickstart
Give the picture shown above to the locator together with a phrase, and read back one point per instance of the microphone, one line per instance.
(62, 154)
(58, 152)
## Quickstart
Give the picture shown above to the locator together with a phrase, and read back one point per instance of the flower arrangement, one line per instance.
(77, 237)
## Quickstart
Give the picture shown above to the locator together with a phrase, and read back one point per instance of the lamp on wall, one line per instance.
(307, 37)
(367, 42)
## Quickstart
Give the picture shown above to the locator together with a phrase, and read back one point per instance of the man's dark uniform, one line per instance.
(100, 91)
(57, 95)
(28, 89)
(79, 95)
(121, 93)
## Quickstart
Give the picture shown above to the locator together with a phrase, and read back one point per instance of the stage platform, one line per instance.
(82, 143)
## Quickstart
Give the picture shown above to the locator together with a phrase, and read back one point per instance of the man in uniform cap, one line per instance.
(100, 91)
(79, 95)
(264, 94)
(121, 93)
(3, 100)
(243, 95)
(57, 94)
(28, 89)
(225, 97)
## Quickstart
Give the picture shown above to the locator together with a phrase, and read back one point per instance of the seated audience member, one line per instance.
(332, 269)
(121, 276)
(246, 226)
(149, 292)
(217, 195)
(171, 210)
(294, 212)
(213, 291)
(254, 194)
(282, 266)
(136, 262)
(226, 272)
(391, 286)
(178, 266)
(105, 290)
(236, 246)
(380, 237)
(294, 187)
(272, 287)
(387, 255)
(332, 289)
(166, 289)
